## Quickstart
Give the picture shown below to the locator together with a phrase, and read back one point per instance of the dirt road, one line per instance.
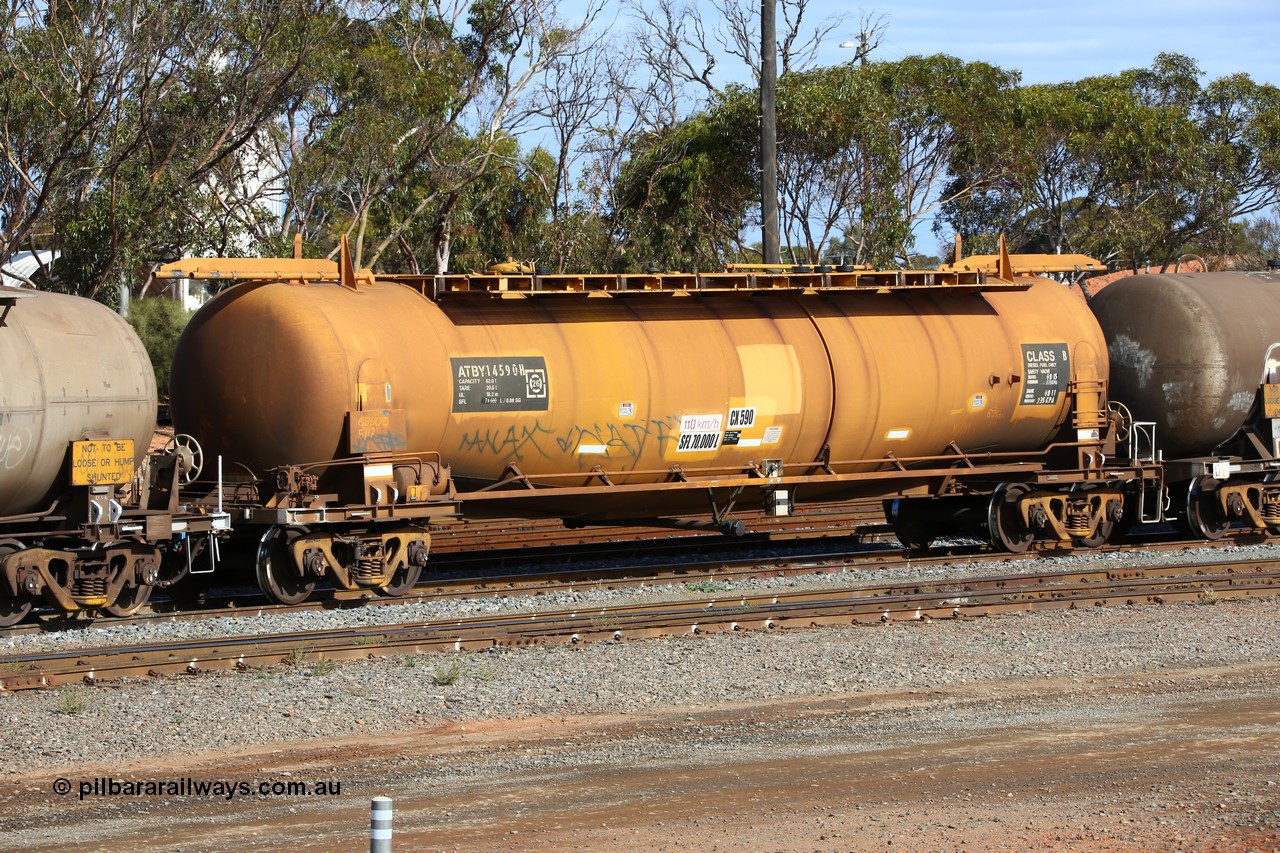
(1186, 760)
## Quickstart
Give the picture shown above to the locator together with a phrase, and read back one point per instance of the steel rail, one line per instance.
(905, 601)
(536, 582)
(821, 519)
(716, 570)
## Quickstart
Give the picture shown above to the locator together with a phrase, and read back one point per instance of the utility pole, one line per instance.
(769, 131)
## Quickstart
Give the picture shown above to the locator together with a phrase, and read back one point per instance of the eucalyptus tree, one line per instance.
(420, 100)
(681, 44)
(685, 191)
(1258, 240)
(122, 121)
(927, 109)
(1139, 166)
(583, 103)
(863, 151)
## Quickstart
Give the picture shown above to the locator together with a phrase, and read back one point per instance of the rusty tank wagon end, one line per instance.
(1195, 365)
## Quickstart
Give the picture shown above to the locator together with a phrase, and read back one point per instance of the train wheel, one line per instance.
(1100, 536)
(276, 576)
(1204, 517)
(908, 524)
(12, 610)
(406, 577)
(1004, 522)
(130, 600)
(402, 581)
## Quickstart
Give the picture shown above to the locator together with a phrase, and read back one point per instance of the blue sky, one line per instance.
(1046, 43)
(1050, 43)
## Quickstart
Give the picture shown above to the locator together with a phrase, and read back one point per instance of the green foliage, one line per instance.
(706, 586)
(582, 240)
(445, 676)
(159, 322)
(685, 191)
(402, 146)
(1137, 167)
(323, 666)
(499, 212)
(137, 131)
(72, 701)
(1253, 242)
(861, 148)
(128, 129)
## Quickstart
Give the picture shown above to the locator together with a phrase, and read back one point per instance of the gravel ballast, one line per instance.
(1129, 728)
(226, 710)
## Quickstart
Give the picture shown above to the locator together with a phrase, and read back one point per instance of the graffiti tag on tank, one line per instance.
(15, 442)
(500, 384)
(377, 431)
(621, 443)
(618, 441)
(1046, 373)
(514, 442)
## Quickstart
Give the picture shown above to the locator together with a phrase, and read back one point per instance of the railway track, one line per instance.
(617, 565)
(864, 520)
(627, 565)
(862, 604)
(500, 547)
(613, 565)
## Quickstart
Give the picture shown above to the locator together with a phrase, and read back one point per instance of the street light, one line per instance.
(861, 46)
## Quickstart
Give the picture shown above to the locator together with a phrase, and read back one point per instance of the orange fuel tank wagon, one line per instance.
(267, 374)
(973, 400)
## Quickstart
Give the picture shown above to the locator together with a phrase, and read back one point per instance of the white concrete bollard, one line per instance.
(380, 825)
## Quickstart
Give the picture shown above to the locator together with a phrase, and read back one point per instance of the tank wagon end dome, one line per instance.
(1188, 351)
(74, 370)
(265, 373)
